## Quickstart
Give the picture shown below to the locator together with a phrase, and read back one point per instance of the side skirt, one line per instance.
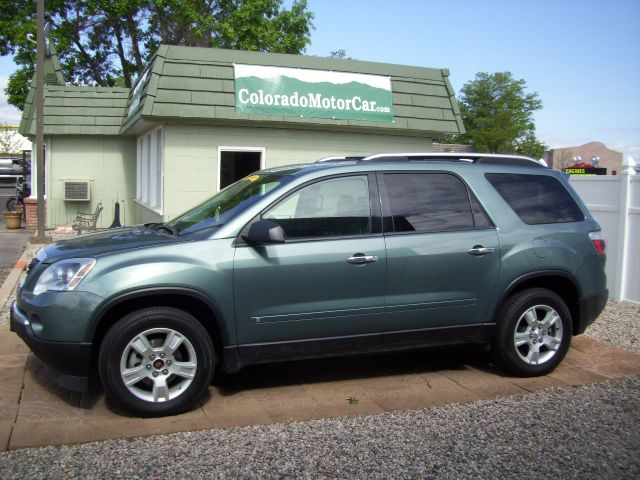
(236, 357)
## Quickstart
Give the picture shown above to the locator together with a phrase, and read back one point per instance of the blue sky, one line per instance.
(582, 57)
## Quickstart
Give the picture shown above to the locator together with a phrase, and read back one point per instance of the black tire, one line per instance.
(11, 204)
(162, 381)
(539, 321)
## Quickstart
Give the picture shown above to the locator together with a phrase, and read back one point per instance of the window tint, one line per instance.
(536, 199)
(480, 218)
(329, 208)
(428, 202)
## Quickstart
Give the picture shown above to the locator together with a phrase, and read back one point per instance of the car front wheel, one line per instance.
(533, 333)
(156, 361)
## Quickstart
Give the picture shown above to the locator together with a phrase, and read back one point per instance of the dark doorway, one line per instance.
(237, 165)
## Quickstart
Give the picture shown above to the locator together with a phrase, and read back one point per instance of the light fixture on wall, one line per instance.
(577, 159)
(595, 160)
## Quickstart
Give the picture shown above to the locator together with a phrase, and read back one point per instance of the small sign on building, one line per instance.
(586, 171)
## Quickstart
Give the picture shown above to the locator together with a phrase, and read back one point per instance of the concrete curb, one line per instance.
(9, 285)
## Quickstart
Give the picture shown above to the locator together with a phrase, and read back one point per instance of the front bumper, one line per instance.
(69, 361)
(590, 308)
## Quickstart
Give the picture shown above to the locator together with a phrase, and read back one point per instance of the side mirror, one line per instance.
(264, 232)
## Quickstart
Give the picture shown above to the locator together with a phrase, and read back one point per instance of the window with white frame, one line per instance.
(149, 170)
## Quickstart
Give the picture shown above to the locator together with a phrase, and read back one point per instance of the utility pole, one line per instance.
(40, 52)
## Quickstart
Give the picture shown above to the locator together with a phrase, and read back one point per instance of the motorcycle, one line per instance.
(22, 191)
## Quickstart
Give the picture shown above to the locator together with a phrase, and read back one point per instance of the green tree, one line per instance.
(109, 42)
(497, 113)
(340, 53)
(530, 146)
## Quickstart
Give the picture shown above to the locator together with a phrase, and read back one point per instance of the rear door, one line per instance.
(442, 256)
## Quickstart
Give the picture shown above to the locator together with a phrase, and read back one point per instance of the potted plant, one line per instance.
(13, 220)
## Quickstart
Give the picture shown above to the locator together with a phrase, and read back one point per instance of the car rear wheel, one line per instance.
(533, 333)
(156, 361)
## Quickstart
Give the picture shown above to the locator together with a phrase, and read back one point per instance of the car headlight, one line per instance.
(63, 275)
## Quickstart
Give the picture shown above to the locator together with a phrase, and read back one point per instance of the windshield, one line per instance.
(228, 203)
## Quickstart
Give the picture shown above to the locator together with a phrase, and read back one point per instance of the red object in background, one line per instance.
(582, 165)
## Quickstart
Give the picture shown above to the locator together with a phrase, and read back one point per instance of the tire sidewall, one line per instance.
(119, 337)
(510, 315)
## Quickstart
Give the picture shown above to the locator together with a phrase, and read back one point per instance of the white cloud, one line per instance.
(8, 113)
(629, 149)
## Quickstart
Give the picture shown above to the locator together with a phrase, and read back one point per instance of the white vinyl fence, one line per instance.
(614, 201)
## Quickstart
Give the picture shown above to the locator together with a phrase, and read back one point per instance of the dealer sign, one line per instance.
(263, 90)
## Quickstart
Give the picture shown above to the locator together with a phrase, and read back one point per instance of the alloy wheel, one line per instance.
(538, 334)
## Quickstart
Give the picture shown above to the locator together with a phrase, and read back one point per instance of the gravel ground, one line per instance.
(618, 325)
(584, 432)
(4, 273)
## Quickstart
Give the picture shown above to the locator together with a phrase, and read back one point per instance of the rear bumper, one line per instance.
(69, 362)
(590, 308)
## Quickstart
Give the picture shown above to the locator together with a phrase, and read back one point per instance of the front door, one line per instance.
(326, 283)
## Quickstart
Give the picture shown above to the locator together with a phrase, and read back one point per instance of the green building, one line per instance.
(199, 119)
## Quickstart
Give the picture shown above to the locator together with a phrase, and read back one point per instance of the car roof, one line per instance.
(405, 159)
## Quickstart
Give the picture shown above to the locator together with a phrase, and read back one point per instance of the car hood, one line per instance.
(111, 241)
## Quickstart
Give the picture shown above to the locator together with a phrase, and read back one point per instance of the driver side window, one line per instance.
(336, 207)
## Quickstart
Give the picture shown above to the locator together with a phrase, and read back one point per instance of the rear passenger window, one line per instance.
(536, 199)
(429, 202)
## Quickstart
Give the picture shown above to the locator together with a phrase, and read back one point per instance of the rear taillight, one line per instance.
(598, 242)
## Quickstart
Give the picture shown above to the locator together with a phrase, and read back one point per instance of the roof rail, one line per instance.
(464, 157)
(340, 159)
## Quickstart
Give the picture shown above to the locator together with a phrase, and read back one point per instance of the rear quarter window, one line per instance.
(536, 199)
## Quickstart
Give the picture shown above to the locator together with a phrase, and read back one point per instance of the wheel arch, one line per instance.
(191, 301)
(558, 281)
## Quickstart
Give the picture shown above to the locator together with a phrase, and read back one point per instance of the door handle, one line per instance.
(361, 259)
(479, 250)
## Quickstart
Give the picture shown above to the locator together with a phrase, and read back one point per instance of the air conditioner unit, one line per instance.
(77, 191)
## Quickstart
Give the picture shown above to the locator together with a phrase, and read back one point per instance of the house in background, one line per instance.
(452, 147)
(15, 155)
(566, 157)
(199, 119)
(12, 144)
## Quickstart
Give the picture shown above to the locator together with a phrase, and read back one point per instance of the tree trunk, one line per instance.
(95, 70)
(132, 29)
(123, 59)
(75, 37)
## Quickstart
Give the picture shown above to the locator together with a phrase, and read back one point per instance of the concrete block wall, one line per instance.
(191, 154)
(108, 163)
